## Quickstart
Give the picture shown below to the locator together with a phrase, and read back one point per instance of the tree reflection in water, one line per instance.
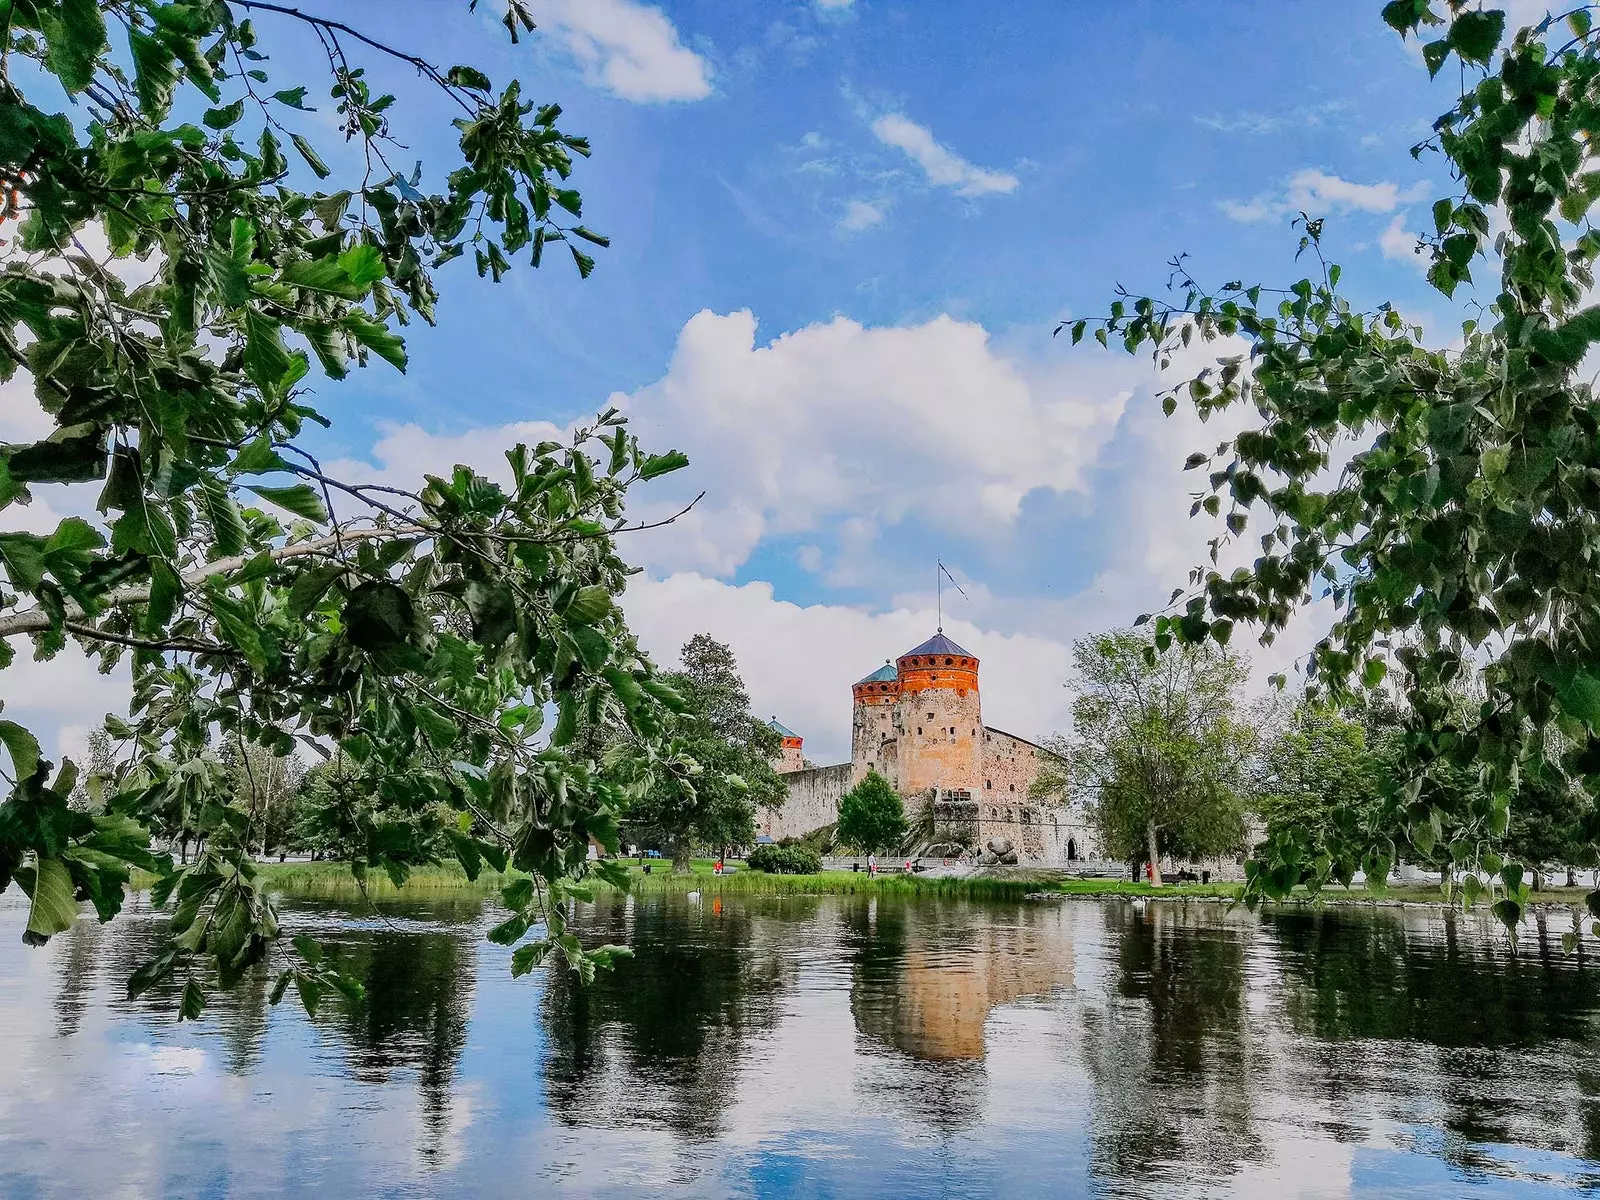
(1426, 1018)
(657, 1040)
(1168, 1048)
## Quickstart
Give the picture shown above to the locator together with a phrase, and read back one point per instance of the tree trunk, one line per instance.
(1154, 852)
(680, 856)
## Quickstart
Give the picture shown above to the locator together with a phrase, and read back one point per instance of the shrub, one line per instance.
(784, 860)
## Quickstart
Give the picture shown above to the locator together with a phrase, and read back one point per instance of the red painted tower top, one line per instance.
(938, 663)
(881, 687)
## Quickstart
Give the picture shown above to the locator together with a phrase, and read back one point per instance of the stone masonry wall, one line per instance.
(813, 802)
(940, 745)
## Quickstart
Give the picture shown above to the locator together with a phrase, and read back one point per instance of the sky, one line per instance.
(843, 232)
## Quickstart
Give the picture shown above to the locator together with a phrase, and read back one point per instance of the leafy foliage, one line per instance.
(1460, 540)
(1159, 749)
(872, 817)
(713, 802)
(784, 860)
(418, 637)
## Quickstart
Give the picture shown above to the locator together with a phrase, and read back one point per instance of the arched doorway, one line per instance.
(1072, 850)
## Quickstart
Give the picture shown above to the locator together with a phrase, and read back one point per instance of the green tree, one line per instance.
(871, 815)
(1159, 748)
(424, 633)
(1459, 540)
(1317, 772)
(732, 750)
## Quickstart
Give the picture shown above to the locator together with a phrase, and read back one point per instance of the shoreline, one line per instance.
(333, 881)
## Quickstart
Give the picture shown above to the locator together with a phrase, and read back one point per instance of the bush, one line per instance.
(784, 860)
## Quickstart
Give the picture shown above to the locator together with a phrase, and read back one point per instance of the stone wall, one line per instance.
(940, 746)
(813, 802)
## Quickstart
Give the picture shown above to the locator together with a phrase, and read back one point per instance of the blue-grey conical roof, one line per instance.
(938, 644)
(782, 730)
(884, 674)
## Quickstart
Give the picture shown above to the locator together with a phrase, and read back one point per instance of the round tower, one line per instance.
(790, 756)
(940, 718)
(873, 734)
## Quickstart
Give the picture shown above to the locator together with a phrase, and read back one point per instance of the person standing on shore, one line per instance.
(872, 865)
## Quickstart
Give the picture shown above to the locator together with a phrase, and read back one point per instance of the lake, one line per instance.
(823, 1046)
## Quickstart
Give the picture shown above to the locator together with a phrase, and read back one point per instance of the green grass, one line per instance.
(333, 881)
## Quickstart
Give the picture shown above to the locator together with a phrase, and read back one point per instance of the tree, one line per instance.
(422, 634)
(732, 751)
(269, 786)
(1459, 540)
(871, 815)
(1317, 772)
(1158, 748)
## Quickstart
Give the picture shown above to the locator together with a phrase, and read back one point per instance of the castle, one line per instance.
(918, 722)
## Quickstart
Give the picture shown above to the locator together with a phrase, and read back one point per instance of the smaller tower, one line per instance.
(789, 757)
(874, 736)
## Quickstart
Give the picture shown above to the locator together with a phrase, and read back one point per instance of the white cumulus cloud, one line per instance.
(1317, 193)
(628, 48)
(839, 421)
(943, 166)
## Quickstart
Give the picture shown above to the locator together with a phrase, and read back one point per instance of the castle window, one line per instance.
(930, 716)
(1027, 817)
(988, 783)
(994, 813)
(949, 662)
(1008, 814)
(1013, 787)
(919, 730)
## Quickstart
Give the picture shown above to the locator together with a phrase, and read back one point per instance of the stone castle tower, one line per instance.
(791, 757)
(919, 723)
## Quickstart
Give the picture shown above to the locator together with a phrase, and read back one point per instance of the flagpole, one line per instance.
(938, 591)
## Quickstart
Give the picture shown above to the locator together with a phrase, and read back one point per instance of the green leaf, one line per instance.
(377, 337)
(76, 454)
(363, 264)
(265, 358)
(591, 605)
(23, 748)
(1373, 673)
(309, 153)
(155, 74)
(227, 526)
(662, 464)
(53, 908)
(468, 77)
(301, 499)
(439, 729)
(258, 457)
(310, 585)
(294, 97)
(379, 616)
(1434, 54)
(225, 117)
(1475, 34)
(193, 1002)
(74, 40)
(528, 956)
(151, 973)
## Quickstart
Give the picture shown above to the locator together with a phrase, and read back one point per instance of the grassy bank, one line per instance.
(333, 881)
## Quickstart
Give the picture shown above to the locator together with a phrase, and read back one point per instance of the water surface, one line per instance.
(823, 1046)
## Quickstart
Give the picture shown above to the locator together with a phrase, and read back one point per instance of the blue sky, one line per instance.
(843, 232)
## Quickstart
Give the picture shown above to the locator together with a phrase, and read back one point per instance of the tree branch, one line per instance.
(37, 620)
